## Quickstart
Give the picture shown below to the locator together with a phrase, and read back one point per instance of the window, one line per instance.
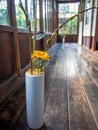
(31, 12)
(4, 20)
(20, 16)
(45, 17)
(31, 9)
(87, 13)
(38, 16)
(67, 10)
(44, 14)
(48, 16)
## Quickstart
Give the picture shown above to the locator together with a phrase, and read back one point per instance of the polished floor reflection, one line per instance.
(71, 90)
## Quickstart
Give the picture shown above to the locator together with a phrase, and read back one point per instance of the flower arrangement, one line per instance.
(37, 57)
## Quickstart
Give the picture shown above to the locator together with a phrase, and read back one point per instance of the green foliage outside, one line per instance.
(20, 18)
(3, 13)
(71, 26)
(37, 24)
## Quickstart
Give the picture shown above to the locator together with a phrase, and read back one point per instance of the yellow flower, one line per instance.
(40, 54)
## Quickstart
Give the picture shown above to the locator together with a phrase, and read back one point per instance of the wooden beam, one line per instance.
(15, 35)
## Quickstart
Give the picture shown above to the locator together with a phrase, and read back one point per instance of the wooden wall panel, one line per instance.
(54, 40)
(40, 45)
(69, 38)
(93, 46)
(87, 41)
(24, 49)
(7, 66)
(45, 39)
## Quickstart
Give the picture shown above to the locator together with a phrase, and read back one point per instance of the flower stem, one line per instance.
(31, 45)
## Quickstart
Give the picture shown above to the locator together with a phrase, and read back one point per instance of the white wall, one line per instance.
(87, 19)
(80, 33)
(94, 19)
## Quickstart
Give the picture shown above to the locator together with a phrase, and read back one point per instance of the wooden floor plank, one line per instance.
(56, 110)
(91, 59)
(12, 108)
(79, 112)
(9, 89)
(89, 86)
(67, 107)
(93, 71)
(91, 90)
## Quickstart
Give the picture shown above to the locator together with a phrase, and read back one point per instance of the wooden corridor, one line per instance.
(71, 90)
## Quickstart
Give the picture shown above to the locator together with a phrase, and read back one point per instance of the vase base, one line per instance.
(42, 126)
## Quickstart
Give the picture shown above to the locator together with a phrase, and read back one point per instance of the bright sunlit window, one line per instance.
(67, 10)
(20, 17)
(4, 20)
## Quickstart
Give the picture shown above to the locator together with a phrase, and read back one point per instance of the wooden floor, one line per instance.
(71, 90)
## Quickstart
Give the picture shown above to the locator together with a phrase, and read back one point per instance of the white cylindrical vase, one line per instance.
(35, 100)
(63, 40)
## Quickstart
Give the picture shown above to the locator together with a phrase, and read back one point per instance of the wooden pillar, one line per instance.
(96, 32)
(92, 13)
(82, 3)
(15, 38)
(56, 22)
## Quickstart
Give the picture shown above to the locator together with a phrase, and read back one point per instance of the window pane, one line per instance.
(48, 16)
(31, 13)
(44, 15)
(20, 16)
(38, 16)
(71, 26)
(66, 11)
(3, 13)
